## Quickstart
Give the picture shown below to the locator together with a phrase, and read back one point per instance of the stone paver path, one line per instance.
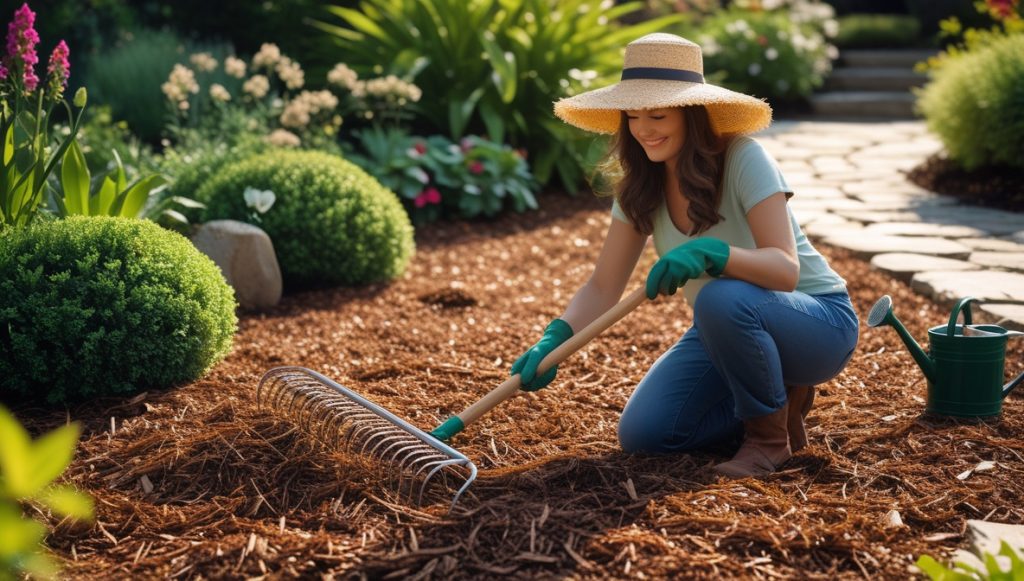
(851, 192)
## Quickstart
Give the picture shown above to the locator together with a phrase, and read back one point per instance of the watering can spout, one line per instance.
(881, 314)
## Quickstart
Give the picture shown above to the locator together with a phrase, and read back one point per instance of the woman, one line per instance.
(771, 319)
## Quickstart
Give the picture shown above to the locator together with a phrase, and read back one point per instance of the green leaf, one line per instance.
(504, 65)
(493, 121)
(460, 113)
(131, 201)
(18, 536)
(939, 572)
(74, 179)
(50, 455)
(9, 144)
(360, 22)
(40, 566)
(99, 204)
(66, 501)
(15, 465)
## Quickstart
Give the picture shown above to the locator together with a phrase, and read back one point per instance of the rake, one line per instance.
(418, 464)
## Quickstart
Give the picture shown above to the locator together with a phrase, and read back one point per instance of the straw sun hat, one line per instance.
(664, 70)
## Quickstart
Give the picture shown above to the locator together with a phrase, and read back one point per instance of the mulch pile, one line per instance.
(993, 186)
(196, 482)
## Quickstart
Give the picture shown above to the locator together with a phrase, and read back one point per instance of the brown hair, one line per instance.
(701, 164)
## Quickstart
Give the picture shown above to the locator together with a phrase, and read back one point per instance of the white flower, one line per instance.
(831, 28)
(290, 72)
(219, 93)
(771, 54)
(234, 67)
(259, 200)
(267, 57)
(342, 76)
(203, 61)
(283, 138)
(754, 69)
(180, 83)
(257, 86)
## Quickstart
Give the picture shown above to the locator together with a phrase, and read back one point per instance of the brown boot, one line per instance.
(765, 447)
(800, 400)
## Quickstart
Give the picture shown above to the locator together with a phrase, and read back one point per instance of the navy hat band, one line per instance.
(661, 74)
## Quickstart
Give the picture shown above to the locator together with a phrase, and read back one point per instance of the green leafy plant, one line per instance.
(974, 103)
(961, 571)
(781, 53)
(77, 193)
(331, 222)
(100, 306)
(27, 470)
(494, 67)
(26, 115)
(127, 77)
(437, 177)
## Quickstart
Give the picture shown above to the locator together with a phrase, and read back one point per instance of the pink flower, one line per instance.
(433, 196)
(420, 148)
(21, 46)
(3, 73)
(59, 69)
(427, 196)
(466, 144)
(476, 168)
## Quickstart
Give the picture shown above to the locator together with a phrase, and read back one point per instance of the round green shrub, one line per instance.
(95, 306)
(975, 104)
(331, 222)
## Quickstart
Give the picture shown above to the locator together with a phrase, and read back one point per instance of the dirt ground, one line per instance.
(196, 482)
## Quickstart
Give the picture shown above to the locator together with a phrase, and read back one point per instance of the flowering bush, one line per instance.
(25, 119)
(436, 177)
(770, 48)
(1008, 16)
(267, 96)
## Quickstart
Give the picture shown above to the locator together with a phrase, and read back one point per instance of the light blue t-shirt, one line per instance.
(750, 176)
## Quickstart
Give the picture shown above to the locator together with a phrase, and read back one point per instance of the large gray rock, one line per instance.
(246, 256)
(986, 285)
(904, 265)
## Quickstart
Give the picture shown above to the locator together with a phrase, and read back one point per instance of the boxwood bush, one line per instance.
(975, 104)
(331, 222)
(95, 306)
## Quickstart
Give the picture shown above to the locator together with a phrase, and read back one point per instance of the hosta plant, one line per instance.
(436, 177)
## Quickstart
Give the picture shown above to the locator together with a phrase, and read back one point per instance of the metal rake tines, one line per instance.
(414, 461)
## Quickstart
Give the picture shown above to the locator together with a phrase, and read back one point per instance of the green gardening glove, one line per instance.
(556, 333)
(685, 262)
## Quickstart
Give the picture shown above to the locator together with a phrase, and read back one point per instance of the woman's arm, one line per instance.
(773, 264)
(619, 255)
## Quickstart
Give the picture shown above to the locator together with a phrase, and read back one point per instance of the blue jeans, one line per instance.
(746, 345)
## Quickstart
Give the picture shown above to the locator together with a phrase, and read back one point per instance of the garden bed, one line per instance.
(999, 187)
(196, 482)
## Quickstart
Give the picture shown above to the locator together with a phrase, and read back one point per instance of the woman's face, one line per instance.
(659, 132)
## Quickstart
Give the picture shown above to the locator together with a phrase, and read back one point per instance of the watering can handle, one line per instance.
(964, 305)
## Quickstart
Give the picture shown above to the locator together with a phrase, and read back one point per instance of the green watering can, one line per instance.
(965, 364)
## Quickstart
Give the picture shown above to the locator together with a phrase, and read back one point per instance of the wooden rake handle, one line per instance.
(511, 386)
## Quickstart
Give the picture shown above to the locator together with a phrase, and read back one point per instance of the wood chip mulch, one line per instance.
(195, 482)
(999, 187)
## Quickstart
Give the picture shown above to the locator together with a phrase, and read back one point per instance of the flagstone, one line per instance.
(924, 229)
(992, 244)
(985, 285)
(1000, 260)
(870, 245)
(903, 265)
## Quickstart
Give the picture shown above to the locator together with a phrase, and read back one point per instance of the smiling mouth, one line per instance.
(654, 143)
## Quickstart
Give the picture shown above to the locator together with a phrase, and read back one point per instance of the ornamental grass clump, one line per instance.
(331, 223)
(98, 306)
(975, 104)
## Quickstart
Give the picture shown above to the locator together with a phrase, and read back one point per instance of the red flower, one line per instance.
(762, 40)
(427, 196)
(476, 168)
(420, 147)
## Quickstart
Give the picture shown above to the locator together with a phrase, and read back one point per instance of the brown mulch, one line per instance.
(999, 187)
(195, 482)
